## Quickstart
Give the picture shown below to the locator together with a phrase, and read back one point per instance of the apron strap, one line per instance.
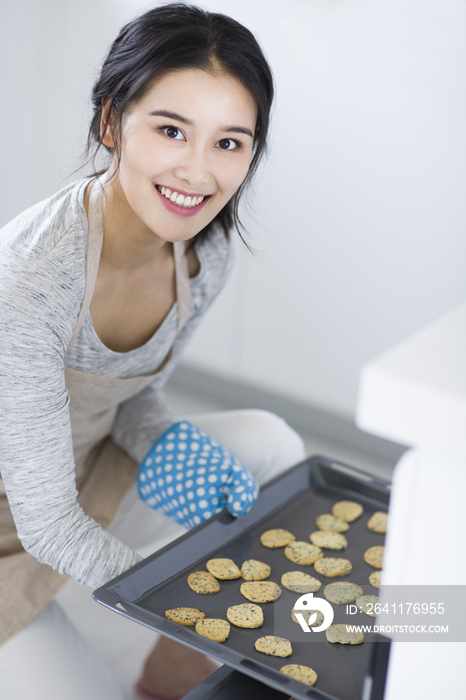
(183, 287)
(95, 240)
(94, 251)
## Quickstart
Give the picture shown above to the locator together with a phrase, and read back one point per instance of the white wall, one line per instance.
(360, 210)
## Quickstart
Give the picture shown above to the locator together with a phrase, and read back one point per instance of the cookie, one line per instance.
(347, 511)
(299, 582)
(203, 582)
(307, 614)
(374, 579)
(330, 566)
(328, 540)
(304, 674)
(366, 604)
(328, 523)
(276, 538)
(273, 646)
(224, 569)
(253, 570)
(303, 553)
(378, 522)
(342, 592)
(245, 615)
(374, 556)
(187, 617)
(260, 591)
(338, 634)
(214, 629)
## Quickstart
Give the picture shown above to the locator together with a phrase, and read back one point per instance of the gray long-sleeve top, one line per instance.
(42, 281)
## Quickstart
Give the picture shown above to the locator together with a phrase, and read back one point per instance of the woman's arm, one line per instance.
(36, 450)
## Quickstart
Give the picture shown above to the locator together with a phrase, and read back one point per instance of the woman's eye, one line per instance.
(173, 132)
(228, 144)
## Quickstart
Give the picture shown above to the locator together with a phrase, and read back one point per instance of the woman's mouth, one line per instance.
(186, 201)
(180, 203)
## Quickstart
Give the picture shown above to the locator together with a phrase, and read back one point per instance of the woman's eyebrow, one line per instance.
(170, 115)
(238, 130)
(185, 120)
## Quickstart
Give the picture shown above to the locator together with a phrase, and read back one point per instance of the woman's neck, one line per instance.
(128, 244)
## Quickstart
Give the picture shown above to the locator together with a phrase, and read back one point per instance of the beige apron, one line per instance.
(103, 470)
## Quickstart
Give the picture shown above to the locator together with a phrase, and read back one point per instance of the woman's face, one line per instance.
(185, 149)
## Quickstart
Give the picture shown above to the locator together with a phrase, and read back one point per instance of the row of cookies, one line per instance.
(305, 554)
(245, 616)
(345, 512)
(205, 582)
(267, 591)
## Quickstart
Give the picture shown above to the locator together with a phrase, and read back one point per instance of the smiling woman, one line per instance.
(101, 287)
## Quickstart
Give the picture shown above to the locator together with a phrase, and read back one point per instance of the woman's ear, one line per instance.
(107, 125)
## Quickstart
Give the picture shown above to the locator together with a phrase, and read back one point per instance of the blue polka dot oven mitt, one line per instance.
(190, 477)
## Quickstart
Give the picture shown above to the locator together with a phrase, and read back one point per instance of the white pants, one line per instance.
(68, 655)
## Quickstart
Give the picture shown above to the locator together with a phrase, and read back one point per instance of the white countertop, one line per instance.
(415, 394)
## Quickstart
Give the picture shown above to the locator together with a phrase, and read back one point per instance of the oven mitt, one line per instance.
(190, 477)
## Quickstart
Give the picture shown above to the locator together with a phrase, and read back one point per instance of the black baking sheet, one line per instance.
(291, 501)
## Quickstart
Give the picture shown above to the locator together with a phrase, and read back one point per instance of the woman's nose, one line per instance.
(194, 168)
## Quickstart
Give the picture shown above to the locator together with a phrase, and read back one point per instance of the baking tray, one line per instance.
(291, 501)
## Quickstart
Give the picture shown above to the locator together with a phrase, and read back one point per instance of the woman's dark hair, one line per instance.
(172, 37)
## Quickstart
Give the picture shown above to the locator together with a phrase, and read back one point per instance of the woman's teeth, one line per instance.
(180, 199)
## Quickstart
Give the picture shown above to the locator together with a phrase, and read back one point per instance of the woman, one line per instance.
(101, 287)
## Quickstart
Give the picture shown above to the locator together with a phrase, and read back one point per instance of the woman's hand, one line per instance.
(190, 477)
